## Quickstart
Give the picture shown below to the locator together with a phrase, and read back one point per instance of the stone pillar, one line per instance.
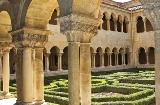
(73, 73)
(19, 77)
(101, 24)
(101, 59)
(129, 57)
(110, 59)
(127, 26)
(85, 74)
(116, 59)
(121, 26)
(39, 74)
(115, 24)
(47, 62)
(124, 60)
(27, 74)
(93, 60)
(59, 61)
(108, 24)
(144, 22)
(6, 73)
(147, 58)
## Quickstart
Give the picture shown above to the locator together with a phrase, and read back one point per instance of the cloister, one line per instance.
(39, 37)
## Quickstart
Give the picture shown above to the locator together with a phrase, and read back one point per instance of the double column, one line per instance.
(93, 60)
(59, 61)
(101, 59)
(109, 59)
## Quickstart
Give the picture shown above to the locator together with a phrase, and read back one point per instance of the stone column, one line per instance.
(6, 73)
(147, 58)
(110, 59)
(127, 26)
(124, 60)
(19, 77)
(73, 73)
(59, 61)
(85, 74)
(129, 57)
(115, 24)
(27, 74)
(47, 62)
(108, 24)
(116, 59)
(93, 60)
(157, 67)
(101, 24)
(121, 26)
(39, 74)
(144, 22)
(101, 59)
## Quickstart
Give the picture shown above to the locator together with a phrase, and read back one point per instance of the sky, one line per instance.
(121, 0)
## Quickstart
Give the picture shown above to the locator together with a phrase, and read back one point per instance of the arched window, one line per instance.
(104, 25)
(140, 25)
(97, 57)
(142, 56)
(65, 59)
(119, 23)
(53, 21)
(151, 55)
(111, 23)
(148, 26)
(53, 59)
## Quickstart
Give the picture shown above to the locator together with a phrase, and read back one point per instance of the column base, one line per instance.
(18, 102)
(7, 95)
(28, 103)
(40, 102)
(60, 69)
(47, 71)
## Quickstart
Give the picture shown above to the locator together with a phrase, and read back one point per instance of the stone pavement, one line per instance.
(10, 101)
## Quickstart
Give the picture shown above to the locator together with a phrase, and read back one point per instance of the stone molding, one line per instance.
(28, 37)
(79, 27)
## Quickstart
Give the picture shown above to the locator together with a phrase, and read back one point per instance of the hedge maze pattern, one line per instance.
(134, 87)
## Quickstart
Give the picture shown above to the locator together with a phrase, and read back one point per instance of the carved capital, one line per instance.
(79, 28)
(30, 37)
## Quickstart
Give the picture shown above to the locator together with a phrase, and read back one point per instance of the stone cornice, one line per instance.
(79, 27)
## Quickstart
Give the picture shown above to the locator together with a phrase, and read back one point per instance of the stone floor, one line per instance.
(11, 101)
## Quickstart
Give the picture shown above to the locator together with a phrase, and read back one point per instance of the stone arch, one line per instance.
(119, 23)
(140, 24)
(5, 22)
(65, 58)
(151, 55)
(125, 29)
(6, 6)
(112, 17)
(142, 56)
(113, 56)
(40, 21)
(97, 57)
(148, 26)
(53, 58)
(41, 8)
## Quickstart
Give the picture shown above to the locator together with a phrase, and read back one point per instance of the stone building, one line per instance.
(61, 31)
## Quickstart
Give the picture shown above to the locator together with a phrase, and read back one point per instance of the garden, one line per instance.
(124, 87)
